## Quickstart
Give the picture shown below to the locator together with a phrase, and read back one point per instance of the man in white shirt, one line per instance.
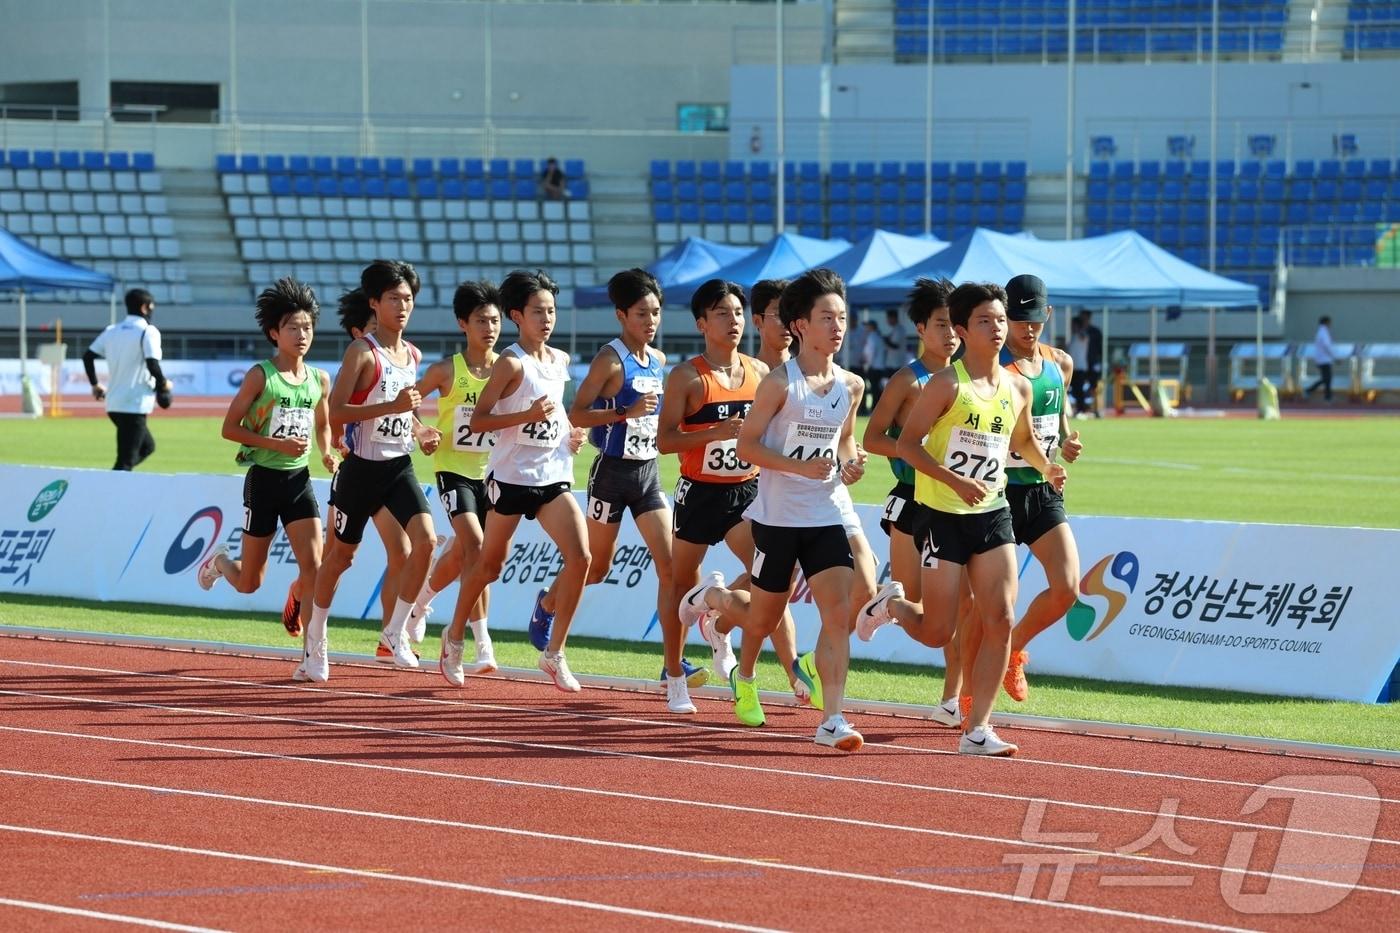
(135, 381)
(1323, 355)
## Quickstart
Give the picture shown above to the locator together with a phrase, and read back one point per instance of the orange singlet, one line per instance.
(718, 461)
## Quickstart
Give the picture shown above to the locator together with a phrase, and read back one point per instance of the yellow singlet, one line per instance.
(973, 439)
(461, 451)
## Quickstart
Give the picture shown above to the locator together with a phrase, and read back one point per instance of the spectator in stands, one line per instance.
(552, 180)
(1086, 352)
(132, 351)
(1323, 355)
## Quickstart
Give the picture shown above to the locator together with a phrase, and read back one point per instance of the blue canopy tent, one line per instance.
(29, 269)
(782, 257)
(692, 258)
(881, 253)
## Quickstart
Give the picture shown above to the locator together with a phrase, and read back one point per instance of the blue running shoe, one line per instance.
(695, 677)
(541, 624)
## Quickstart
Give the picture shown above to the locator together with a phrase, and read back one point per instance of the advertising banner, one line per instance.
(1275, 609)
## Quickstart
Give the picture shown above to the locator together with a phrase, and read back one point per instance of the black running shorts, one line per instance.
(1035, 509)
(956, 537)
(778, 550)
(272, 495)
(362, 487)
(705, 512)
(462, 496)
(616, 484)
(514, 499)
(899, 509)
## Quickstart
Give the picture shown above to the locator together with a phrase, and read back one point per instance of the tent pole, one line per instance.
(928, 128)
(1211, 378)
(23, 339)
(1107, 378)
(1152, 339)
(1259, 345)
(112, 306)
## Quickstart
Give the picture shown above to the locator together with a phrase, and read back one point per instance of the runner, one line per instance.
(617, 402)
(529, 474)
(374, 396)
(957, 437)
(800, 433)
(460, 460)
(279, 405)
(1037, 507)
(928, 311)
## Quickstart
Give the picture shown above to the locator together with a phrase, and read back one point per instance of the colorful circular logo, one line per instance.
(190, 545)
(1081, 618)
(47, 498)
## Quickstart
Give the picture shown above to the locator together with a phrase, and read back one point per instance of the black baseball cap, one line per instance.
(1025, 300)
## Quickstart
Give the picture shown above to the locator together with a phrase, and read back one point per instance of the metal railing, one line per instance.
(1048, 43)
(1376, 136)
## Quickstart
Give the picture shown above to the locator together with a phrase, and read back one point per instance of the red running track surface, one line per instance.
(213, 792)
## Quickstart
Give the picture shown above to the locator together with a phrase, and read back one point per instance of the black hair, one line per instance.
(712, 293)
(354, 311)
(472, 295)
(765, 291)
(970, 295)
(632, 285)
(284, 298)
(802, 293)
(383, 274)
(138, 298)
(927, 297)
(517, 288)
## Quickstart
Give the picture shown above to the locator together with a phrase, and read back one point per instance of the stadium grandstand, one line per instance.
(202, 177)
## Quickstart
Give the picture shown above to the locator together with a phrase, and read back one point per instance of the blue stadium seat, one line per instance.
(940, 170)
(474, 169)
(712, 212)
(523, 168)
(660, 170)
(663, 191)
(326, 186)
(224, 163)
(988, 191)
(663, 212)
(574, 168)
(864, 215)
(398, 188)
(394, 167)
(577, 188)
(760, 191)
(734, 171)
(685, 169)
(69, 159)
(449, 168)
(809, 171)
(763, 213)
(760, 171)
(736, 191)
(427, 187)
(116, 161)
(840, 213)
(838, 191)
(370, 165)
(500, 189)
(915, 170)
(44, 158)
(709, 170)
(810, 191)
(965, 171)
(524, 188)
(422, 168)
(279, 185)
(964, 191)
(889, 171)
(838, 171)
(710, 190)
(350, 187)
(94, 161)
(865, 171)
(887, 215)
(689, 212)
(498, 169)
(18, 158)
(375, 187)
(810, 214)
(687, 191)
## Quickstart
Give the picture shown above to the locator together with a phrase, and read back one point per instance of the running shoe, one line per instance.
(805, 668)
(553, 664)
(692, 607)
(299, 675)
(746, 706)
(721, 648)
(541, 624)
(208, 573)
(418, 620)
(291, 612)
(485, 657)
(678, 697)
(396, 651)
(877, 612)
(947, 713)
(317, 663)
(839, 734)
(984, 741)
(1015, 679)
(450, 660)
(694, 676)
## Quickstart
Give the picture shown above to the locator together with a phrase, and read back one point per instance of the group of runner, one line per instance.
(767, 450)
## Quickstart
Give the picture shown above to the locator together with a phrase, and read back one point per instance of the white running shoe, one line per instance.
(678, 696)
(839, 734)
(877, 612)
(556, 667)
(418, 624)
(485, 657)
(400, 649)
(946, 713)
(721, 648)
(450, 660)
(208, 573)
(983, 741)
(300, 675)
(317, 663)
(692, 607)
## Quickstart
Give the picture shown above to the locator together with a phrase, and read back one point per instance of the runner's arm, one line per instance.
(850, 454)
(933, 401)
(506, 375)
(681, 386)
(358, 358)
(877, 439)
(324, 440)
(238, 408)
(603, 381)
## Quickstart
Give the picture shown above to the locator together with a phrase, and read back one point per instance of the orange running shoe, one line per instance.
(291, 612)
(1015, 679)
(965, 710)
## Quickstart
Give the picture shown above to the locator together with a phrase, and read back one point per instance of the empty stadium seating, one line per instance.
(321, 218)
(1127, 28)
(735, 201)
(1372, 25)
(103, 210)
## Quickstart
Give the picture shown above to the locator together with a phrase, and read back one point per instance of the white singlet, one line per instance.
(388, 436)
(537, 453)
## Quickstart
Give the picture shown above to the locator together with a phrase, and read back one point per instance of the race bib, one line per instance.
(640, 440)
(976, 455)
(394, 429)
(463, 438)
(722, 459)
(540, 433)
(290, 422)
(1046, 429)
(811, 440)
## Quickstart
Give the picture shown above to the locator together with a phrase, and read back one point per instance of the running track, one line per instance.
(176, 790)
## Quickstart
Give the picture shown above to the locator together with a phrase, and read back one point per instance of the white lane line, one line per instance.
(1250, 471)
(99, 915)
(634, 847)
(688, 802)
(692, 762)
(383, 876)
(696, 727)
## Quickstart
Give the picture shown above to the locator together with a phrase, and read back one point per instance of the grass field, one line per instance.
(1335, 471)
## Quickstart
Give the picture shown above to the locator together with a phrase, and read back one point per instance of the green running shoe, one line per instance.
(746, 706)
(805, 668)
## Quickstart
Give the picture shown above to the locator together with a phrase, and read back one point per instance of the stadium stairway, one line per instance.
(1045, 205)
(862, 32)
(623, 234)
(1298, 38)
(218, 277)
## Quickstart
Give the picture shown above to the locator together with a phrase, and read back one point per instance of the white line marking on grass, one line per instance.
(99, 915)
(584, 840)
(746, 733)
(676, 801)
(1239, 470)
